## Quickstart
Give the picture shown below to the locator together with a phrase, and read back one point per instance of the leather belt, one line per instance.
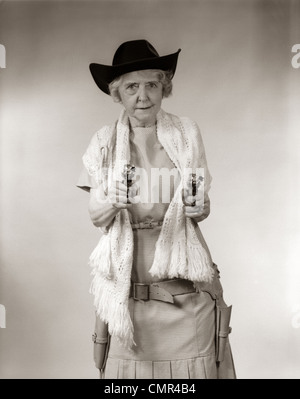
(161, 291)
(146, 225)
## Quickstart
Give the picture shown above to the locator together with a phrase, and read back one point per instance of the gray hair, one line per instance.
(165, 78)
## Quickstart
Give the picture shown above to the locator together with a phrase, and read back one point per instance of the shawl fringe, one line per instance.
(100, 258)
(111, 311)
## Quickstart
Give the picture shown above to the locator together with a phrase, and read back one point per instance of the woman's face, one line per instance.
(141, 95)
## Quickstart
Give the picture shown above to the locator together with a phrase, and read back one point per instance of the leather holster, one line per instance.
(223, 314)
(101, 340)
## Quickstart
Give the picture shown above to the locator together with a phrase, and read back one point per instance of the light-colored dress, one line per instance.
(173, 341)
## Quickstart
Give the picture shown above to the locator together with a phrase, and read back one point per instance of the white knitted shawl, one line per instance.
(178, 254)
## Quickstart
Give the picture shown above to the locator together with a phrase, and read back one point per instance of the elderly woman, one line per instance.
(158, 298)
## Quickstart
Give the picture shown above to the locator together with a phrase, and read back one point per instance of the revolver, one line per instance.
(194, 184)
(128, 174)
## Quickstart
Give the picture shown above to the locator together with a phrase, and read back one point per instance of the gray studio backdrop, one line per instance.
(235, 77)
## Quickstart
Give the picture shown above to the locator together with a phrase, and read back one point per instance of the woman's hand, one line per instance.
(103, 207)
(117, 195)
(201, 208)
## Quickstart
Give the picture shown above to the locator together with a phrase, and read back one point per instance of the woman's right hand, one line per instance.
(103, 207)
(117, 195)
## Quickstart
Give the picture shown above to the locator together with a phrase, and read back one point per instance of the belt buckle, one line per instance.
(147, 225)
(141, 291)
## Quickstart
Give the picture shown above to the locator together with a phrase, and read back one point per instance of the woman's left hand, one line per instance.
(201, 208)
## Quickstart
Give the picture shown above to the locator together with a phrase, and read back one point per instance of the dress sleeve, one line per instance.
(89, 176)
(86, 181)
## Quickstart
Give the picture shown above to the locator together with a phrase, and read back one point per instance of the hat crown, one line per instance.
(134, 55)
(134, 50)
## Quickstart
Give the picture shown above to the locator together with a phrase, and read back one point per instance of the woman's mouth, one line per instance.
(144, 108)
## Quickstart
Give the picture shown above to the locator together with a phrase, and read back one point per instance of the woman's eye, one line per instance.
(132, 88)
(152, 84)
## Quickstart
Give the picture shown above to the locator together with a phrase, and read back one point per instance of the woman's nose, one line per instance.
(142, 94)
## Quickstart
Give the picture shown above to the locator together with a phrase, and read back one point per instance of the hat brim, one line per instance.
(104, 74)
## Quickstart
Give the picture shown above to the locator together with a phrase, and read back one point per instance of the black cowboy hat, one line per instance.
(132, 56)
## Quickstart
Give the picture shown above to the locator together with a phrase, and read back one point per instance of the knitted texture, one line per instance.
(178, 253)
